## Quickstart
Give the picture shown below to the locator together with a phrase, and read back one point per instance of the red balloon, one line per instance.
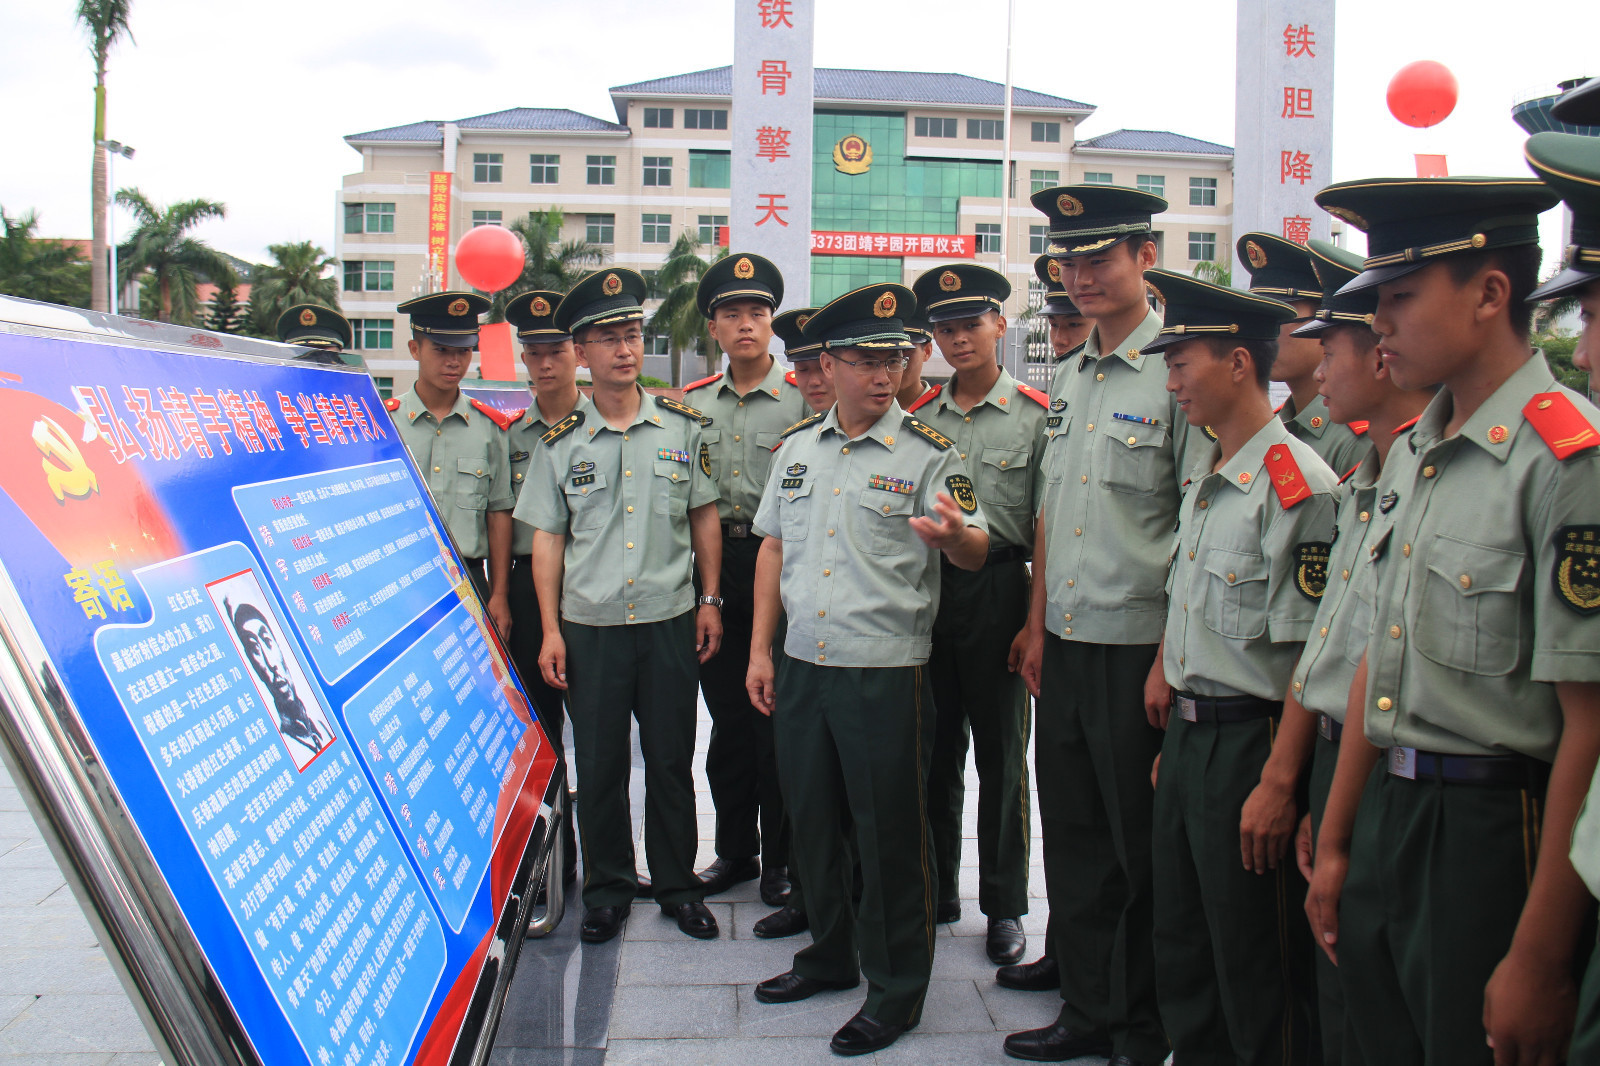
(489, 258)
(1423, 93)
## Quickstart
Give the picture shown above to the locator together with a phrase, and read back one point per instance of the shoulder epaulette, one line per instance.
(562, 428)
(392, 403)
(1287, 480)
(680, 407)
(1348, 474)
(1072, 352)
(1406, 425)
(493, 414)
(1210, 433)
(516, 416)
(929, 434)
(703, 381)
(809, 420)
(1278, 410)
(1358, 428)
(1034, 394)
(1557, 419)
(791, 379)
(925, 399)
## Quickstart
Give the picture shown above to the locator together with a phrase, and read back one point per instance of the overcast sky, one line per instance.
(247, 103)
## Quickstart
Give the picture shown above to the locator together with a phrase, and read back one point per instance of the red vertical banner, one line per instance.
(439, 226)
(495, 360)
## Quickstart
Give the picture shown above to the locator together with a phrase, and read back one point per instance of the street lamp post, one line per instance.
(113, 149)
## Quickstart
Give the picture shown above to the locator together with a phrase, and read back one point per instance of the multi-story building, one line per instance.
(633, 185)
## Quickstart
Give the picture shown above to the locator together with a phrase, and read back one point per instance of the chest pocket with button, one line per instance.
(1470, 618)
(1055, 445)
(589, 503)
(671, 487)
(1133, 459)
(760, 461)
(1003, 476)
(881, 524)
(1358, 604)
(472, 483)
(713, 442)
(1236, 594)
(794, 511)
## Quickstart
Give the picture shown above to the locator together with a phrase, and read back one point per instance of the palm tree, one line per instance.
(679, 317)
(300, 273)
(35, 269)
(1215, 273)
(552, 264)
(106, 21)
(160, 246)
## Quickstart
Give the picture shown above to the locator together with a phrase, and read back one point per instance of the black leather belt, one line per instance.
(738, 530)
(1222, 710)
(1516, 770)
(522, 560)
(1328, 729)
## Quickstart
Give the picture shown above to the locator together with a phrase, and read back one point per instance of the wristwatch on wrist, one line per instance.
(711, 601)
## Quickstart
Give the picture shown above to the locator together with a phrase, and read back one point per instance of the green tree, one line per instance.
(224, 312)
(1214, 272)
(679, 318)
(35, 269)
(300, 273)
(551, 264)
(1557, 349)
(107, 22)
(161, 247)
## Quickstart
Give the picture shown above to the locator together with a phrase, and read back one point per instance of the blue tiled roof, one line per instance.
(878, 86)
(551, 119)
(1154, 141)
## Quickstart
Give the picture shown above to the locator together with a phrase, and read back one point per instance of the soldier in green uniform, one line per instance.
(1233, 961)
(618, 494)
(807, 375)
(746, 410)
(459, 444)
(998, 428)
(1283, 270)
(912, 386)
(864, 501)
(552, 366)
(1458, 934)
(314, 326)
(1068, 326)
(1115, 445)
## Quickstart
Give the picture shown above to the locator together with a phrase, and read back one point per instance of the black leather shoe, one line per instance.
(948, 911)
(1006, 941)
(775, 886)
(785, 921)
(1055, 1043)
(695, 919)
(723, 874)
(645, 889)
(602, 923)
(790, 987)
(1040, 976)
(1123, 1060)
(864, 1033)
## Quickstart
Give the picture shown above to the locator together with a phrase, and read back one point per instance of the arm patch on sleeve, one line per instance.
(1577, 571)
(960, 486)
(1311, 568)
(705, 458)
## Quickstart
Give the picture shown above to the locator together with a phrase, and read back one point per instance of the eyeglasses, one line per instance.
(868, 367)
(632, 340)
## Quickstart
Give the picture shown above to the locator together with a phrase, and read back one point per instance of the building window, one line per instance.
(658, 170)
(658, 118)
(1202, 192)
(988, 236)
(1049, 132)
(1202, 247)
(712, 227)
(657, 229)
(710, 170)
(1038, 237)
(485, 218)
(600, 229)
(657, 344)
(1097, 177)
(544, 169)
(385, 386)
(1155, 184)
(935, 127)
(704, 119)
(602, 170)
(373, 334)
(486, 167)
(984, 129)
(1043, 179)
(369, 218)
(369, 275)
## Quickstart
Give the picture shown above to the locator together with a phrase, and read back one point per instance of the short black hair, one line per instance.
(1138, 241)
(1519, 264)
(1262, 354)
(1361, 333)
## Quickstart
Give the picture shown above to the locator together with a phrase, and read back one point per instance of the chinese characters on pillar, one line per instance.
(772, 142)
(1297, 228)
(774, 75)
(771, 203)
(1295, 165)
(439, 227)
(775, 13)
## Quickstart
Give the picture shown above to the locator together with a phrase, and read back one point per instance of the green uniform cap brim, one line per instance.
(1059, 304)
(872, 316)
(1570, 164)
(1326, 319)
(1286, 272)
(885, 338)
(542, 336)
(313, 337)
(803, 352)
(588, 304)
(960, 307)
(1579, 106)
(1196, 309)
(722, 282)
(1084, 242)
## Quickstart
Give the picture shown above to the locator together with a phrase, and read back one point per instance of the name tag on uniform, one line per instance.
(1186, 709)
(583, 479)
(1052, 421)
(673, 454)
(791, 482)
(892, 484)
(1403, 762)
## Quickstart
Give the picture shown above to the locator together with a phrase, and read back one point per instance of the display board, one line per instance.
(271, 652)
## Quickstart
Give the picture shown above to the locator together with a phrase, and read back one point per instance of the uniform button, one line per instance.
(630, 606)
(480, 472)
(736, 441)
(1191, 555)
(630, 544)
(1083, 479)
(836, 492)
(1071, 583)
(624, 436)
(1091, 427)
(519, 477)
(963, 455)
(736, 507)
(1203, 504)
(1002, 464)
(438, 433)
(1297, 686)
(627, 473)
(1346, 575)
(630, 618)
(1405, 549)
(830, 532)
(827, 573)
(1230, 578)
(674, 477)
(741, 404)
(1066, 630)
(1365, 515)
(630, 581)
(1394, 631)
(885, 508)
(822, 614)
(584, 491)
(1077, 531)
(1133, 440)
(822, 658)
(1384, 703)
(1068, 618)
(1466, 581)
(435, 470)
(967, 419)
(1180, 660)
(736, 473)
(821, 644)
(1321, 633)
(1429, 471)
(1099, 377)
(845, 450)
(630, 508)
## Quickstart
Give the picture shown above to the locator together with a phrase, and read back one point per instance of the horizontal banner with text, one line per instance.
(947, 245)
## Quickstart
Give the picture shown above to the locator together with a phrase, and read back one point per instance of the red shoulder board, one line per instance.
(1287, 480)
(1359, 428)
(393, 403)
(1279, 409)
(1034, 394)
(498, 417)
(791, 379)
(1348, 474)
(925, 399)
(702, 381)
(516, 416)
(1402, 427)
(1564, 428)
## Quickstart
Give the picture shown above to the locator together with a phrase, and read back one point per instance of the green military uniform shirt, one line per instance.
(1002, 443)
(1112, 489)
(463, 460)
(741, 432)
(621, 500)
(1344, 619)
(1247, 571)
(1339, 446)
(1487, 575)
(522, 441)
(860, 588)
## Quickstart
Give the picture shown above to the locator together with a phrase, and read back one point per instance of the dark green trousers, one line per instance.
(854, 743)
(1233, 949)
(1093, 748)
(976, 696)
(1330, 997)
(1438, 877)
(527, 637)
(616, 674)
